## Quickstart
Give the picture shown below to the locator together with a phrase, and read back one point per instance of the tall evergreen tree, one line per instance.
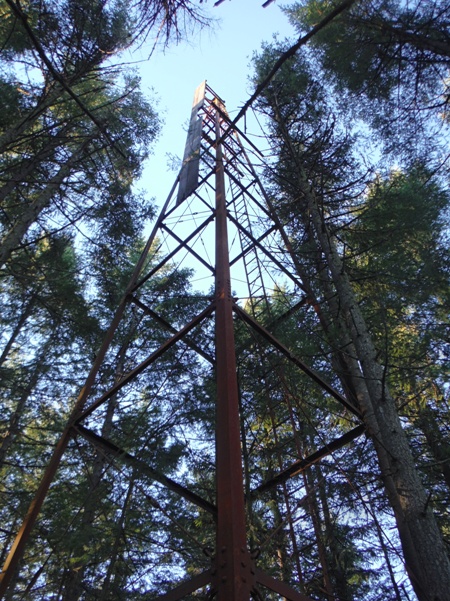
(314, 181)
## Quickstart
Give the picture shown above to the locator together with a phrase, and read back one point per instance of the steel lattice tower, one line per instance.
(229, 209)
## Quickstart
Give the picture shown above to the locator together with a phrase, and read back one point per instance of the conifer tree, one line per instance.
(314, 184)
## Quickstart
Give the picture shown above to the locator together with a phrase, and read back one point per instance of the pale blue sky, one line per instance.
(220, 55)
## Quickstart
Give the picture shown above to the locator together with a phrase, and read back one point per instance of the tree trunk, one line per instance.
(15, 426)
(17, 328)
(337, 569)
(12, 239)
(13, 134)
(285, 574)
(19, 174)
(108, 590)
(398, 596)
(428, 422)
(74, 578)
(313, 507)
(425, 555)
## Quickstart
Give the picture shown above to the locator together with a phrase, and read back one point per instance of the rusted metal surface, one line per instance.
(234, 578)
(130, 376)
(129, 459)
(188, 587)
(298, 362)
(190, 168)
(303, 464)
(283, 589)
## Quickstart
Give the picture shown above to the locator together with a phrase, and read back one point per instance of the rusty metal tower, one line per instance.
(232, 218)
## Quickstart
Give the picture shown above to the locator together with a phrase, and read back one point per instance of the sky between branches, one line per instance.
(221, 55)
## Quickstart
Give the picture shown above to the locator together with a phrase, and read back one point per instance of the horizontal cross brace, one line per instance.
(140, 368)
(287, 353)
(283, 589)
(186, 588)
(173, 253)
(129, 459)
(190, 343)
(301, 465)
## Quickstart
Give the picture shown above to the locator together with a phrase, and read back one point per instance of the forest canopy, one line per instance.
(349, 196)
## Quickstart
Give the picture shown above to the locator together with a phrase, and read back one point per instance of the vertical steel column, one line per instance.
(233, 562)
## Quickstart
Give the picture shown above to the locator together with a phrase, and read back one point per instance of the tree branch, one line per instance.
(290, 52)
(17, 10)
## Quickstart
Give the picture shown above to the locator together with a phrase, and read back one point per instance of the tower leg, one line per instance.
(233, 562)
